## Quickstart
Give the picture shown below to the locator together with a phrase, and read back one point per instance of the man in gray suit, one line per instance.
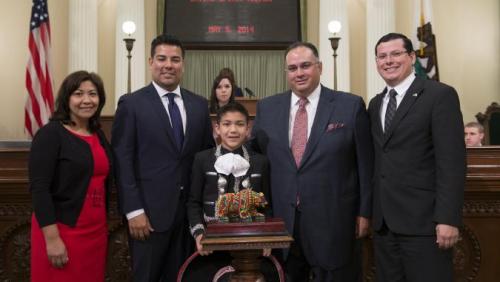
(320, 153)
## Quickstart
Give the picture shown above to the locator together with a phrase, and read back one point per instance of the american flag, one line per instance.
(40, 101)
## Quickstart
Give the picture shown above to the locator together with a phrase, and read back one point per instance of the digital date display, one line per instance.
(240, 23)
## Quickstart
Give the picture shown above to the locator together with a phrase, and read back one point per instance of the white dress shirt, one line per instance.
(311, 108)
(178, 100)
(401, 90)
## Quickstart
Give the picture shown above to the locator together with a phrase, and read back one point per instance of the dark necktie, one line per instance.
(176, 120)
(391, 109)
(299, 134)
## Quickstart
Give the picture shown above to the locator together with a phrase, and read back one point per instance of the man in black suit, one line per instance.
(320, 152)
(156, 133)
(419, 172)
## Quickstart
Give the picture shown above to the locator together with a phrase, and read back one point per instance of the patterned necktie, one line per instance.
(176, 120)
(299, 134)
(391, 110)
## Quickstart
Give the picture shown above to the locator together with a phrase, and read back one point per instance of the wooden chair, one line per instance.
(491, 122)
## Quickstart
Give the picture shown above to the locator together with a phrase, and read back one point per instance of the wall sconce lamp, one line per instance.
(334, 27)
(128, 28)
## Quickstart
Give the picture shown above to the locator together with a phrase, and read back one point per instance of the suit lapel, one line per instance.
(325, 107)
(377, 108)
(409, 99)
(283, 123)
(157, 106)
(188, 106)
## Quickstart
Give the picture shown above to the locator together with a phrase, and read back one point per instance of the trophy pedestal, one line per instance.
(245, 242)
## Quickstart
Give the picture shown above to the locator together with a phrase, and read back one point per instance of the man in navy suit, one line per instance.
(156, 133)
(320, 153)
(420, 166)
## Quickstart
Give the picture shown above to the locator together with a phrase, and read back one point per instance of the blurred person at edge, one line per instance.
(473, 134)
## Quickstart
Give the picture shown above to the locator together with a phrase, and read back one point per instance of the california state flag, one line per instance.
(424, 41)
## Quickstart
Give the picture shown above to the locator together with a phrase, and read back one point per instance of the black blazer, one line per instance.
(334, 178)
(151, 172)
(420, 162)
(60, 168)
(204, 188)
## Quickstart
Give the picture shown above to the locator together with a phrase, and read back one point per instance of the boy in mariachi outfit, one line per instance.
(228, 168)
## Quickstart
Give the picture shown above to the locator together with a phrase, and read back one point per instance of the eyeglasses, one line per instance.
(304, 66)
(392, 55)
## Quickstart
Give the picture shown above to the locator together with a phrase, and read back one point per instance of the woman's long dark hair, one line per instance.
(70, 84)
(214, 103)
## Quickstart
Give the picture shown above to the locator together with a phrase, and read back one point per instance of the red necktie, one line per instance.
(299, 134)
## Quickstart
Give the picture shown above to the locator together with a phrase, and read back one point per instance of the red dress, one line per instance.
(86, 243)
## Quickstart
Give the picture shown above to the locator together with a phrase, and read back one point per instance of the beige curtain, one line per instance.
(263, 72)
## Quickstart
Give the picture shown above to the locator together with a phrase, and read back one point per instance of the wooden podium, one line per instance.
(249, 103)
(245, 242)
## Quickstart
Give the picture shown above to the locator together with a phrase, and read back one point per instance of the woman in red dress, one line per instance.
(69, 170)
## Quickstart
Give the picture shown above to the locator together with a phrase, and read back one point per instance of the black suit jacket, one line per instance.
(420, 162)
(152, 173)
(204, 189)
(60, 168)
(333, 181)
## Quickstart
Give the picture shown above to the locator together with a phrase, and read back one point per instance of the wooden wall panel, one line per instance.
(476, 255)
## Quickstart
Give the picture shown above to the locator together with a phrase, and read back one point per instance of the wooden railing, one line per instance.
(476, 256)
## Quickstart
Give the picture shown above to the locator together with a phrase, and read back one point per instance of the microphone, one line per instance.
(249, 92)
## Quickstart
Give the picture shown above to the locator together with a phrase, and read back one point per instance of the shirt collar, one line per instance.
(403, 86)
(161, 91)
(312, 98)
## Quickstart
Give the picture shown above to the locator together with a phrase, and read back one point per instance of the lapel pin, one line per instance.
(415, 94)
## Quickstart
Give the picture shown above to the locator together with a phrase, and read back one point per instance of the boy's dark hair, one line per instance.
(70, 84)
(167, 40)
(393, 36)
(232, 107)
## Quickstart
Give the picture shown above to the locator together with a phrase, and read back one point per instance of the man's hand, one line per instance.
(362, 226)
(266, 252)
(139, 227)
(199, 246)
(446, 236)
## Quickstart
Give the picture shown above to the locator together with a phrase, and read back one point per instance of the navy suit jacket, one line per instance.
(420, 162)
(333, 180)
(152, 173)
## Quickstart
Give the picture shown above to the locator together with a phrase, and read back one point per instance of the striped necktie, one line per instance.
(391, 110)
